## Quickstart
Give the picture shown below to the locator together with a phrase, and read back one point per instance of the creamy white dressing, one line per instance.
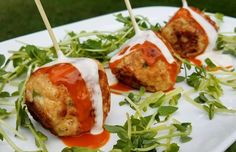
(140, 38)
(208, 28)
(217, 58)
(88, 69)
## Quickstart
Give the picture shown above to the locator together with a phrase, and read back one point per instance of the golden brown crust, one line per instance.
(53, 107)
(185, 34)
(133, 71)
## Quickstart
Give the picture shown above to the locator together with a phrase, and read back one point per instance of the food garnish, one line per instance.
(148, 132)
(226, 42)
(208, 87)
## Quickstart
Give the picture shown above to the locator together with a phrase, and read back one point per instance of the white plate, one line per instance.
(208, 135)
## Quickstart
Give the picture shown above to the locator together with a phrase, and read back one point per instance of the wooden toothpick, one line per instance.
(135, 25)
(184, 3)
(49, 28)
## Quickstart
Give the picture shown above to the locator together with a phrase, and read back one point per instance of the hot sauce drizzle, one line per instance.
(151, 54)
(196, 61)
(87, 140)
(67, 75)
(119, 87)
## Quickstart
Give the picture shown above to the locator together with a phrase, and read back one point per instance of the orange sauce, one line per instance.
(120, 87)
(69, 76)
(184, 13)
(114, 64)
(151, 54)
(87, 140)
(195, 61)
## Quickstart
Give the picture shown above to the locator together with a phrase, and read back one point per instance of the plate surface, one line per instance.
(208, 136)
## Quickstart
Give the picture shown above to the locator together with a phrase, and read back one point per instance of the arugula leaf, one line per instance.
(166, 110)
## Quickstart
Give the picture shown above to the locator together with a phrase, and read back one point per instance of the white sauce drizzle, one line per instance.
(140, 38)
(218, 58)
(88, 69)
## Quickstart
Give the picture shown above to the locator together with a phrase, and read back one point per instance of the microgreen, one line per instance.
(173, 148)
(180, 79)
(2, 60)
(4, 94)
(143, 133)
(219, 16)
(79, 149)
(226, 43)
(210, 63)
(166, 110)
(208, 87)
(3, 113)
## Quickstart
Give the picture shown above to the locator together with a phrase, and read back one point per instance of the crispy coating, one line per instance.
(135, 71)
(185, 34)
(53, 107)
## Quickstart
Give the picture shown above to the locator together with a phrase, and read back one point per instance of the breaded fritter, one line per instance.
(53, 107)
(146, 66)
(185, 34)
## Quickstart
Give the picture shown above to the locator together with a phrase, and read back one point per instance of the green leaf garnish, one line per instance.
(79, 149)
(2, 59)
(4, 94)
(173, 148)
(180, 79)
(210, 63)
(166, 110)
(185, 139)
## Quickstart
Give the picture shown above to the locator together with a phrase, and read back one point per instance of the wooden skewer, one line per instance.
(135, 25)
(48, 26)
(184, 3)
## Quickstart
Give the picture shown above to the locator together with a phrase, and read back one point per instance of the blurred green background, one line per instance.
(19, 17)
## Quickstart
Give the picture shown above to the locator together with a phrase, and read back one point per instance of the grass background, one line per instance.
(20, 17)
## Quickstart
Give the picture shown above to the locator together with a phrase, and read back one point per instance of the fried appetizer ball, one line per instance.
(146, 66)
(59, 98)
(186, 34)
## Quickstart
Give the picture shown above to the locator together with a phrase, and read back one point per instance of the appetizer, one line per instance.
(190, 31)
(145, 60)
(69, 98)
